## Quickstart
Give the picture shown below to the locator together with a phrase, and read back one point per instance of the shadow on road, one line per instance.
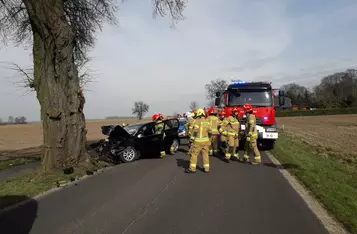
(284, 165)
(20, 219)
(183, 163)
(182, 150)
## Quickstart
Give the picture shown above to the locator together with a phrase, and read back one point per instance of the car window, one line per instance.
(132, 129)
(182, 122)
(158, 128)
(172, 123)
(147, 130)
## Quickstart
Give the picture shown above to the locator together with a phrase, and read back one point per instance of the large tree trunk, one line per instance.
(56, 82)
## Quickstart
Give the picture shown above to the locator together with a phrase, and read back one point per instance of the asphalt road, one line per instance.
(155, 196)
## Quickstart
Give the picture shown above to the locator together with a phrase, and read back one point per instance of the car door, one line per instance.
(149, 141)
(171, 131)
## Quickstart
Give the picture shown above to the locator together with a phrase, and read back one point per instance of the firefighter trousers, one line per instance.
(214, 144)
(197, 148)
(222, 141)
(251, 145)
(232, 149)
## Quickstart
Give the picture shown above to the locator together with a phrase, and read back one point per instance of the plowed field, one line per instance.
(16, 137)
(336, 133)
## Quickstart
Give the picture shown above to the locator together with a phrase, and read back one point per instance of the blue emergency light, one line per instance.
(238, 82)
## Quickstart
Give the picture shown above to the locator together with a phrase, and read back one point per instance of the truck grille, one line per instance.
(259, 121)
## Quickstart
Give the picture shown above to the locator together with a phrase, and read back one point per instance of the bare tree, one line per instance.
(61, 32)
(193, 106)
(215, 86)
(11, 119)
(140, 109)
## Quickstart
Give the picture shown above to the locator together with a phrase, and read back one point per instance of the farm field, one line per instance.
(334, 133)
(29, 136)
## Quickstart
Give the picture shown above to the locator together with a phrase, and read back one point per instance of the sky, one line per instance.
(281, 41)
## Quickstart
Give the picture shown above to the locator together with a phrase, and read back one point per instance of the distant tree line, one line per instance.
(338, 90)
(14, 120)
(118, 117)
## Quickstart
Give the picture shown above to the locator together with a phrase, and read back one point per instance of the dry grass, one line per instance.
(335, 133)
(26, 139)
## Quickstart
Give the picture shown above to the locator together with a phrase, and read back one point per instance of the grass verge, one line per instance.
(17, 161)
(332, 179)
(31, 184)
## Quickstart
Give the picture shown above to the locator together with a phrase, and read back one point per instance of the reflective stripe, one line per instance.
(206, 165)
(214, 130)
(235, 155)
(228, 154)
(231, 133)
(255, 134)
(246, 156)
(205, 139)
(193, 165)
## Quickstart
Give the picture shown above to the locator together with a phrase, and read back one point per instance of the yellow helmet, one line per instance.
(200, 113)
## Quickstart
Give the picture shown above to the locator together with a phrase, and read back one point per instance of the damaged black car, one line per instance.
(127, 144)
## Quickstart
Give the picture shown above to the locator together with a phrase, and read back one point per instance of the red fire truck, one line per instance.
(261, 96)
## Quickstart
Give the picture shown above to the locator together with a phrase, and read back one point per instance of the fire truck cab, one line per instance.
(261, 96)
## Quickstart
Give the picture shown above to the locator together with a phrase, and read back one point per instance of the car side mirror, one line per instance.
(217, 101)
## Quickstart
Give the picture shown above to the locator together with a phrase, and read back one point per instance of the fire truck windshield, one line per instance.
(257, 98)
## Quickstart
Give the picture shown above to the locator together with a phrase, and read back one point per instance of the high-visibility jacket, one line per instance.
(251, 126)
(201, 130)
(159, 127)
(232, 126)
(213, 124)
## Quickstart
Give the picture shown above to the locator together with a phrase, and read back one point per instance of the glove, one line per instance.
(248, 139)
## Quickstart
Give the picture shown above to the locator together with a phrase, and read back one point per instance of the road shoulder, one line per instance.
(330, 223)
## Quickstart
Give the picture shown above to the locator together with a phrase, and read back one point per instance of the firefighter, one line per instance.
(251, 135)
(222, 131)
(158, 129)
(190, 129)
(232, 132)
(201, 142)
(213, 119)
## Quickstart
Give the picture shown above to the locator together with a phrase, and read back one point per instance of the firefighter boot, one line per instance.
(246, 158)
(257, 160)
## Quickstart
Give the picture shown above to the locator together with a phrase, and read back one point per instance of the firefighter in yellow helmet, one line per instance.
(201, 142)
(158, 129)
(213, 119)
(251, 136)
(222, 131)
(232, 129)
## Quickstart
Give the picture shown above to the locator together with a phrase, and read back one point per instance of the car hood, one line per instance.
(114, 131)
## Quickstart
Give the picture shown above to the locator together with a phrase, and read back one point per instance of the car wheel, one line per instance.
(128, 155)
(174, 146)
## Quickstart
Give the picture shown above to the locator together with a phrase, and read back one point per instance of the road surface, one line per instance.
(155, 196)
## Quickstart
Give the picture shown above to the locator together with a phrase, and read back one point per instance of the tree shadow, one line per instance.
(18, 220)
(282, 166)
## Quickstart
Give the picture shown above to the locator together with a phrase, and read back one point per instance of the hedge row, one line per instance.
(334, 111)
